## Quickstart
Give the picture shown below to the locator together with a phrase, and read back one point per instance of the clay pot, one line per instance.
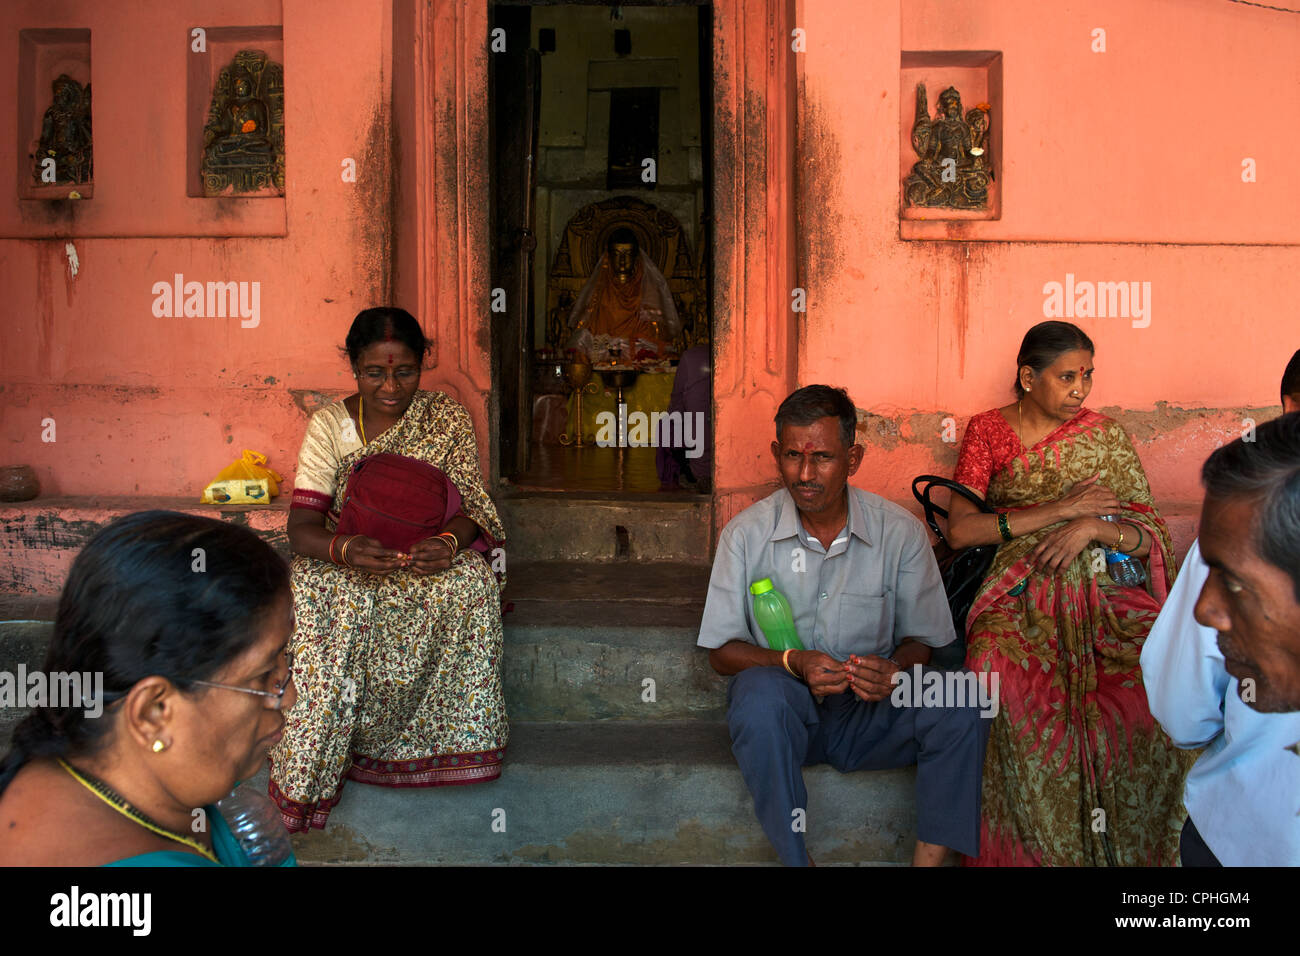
(18, 483)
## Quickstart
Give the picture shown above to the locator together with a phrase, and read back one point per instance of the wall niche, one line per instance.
(235, 115)
(55, 146)
(951, 121)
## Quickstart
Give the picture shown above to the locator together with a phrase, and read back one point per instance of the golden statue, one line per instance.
(625, 312)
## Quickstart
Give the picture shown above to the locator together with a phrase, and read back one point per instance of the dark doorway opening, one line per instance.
(606, 134)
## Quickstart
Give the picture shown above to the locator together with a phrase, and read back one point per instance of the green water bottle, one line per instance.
(772, 611)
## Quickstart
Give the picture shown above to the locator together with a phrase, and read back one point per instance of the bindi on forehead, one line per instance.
(808, 447)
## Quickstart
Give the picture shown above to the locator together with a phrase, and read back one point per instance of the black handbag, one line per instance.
(963, 571)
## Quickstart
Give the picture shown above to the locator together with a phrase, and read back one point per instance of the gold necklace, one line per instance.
(111, 797)
(1020, 421)
(361, 417)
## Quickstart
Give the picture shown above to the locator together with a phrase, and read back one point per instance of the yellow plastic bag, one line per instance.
(246, 481)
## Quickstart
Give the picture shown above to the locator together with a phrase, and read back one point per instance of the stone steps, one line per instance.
(39, 539)
(604, 526)
(607, 641)
(613, 792)
(646, 787)
(580, 644)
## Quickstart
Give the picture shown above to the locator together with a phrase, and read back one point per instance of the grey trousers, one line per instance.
(777, 727)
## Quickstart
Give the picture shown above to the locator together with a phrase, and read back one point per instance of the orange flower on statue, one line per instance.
(248, 127)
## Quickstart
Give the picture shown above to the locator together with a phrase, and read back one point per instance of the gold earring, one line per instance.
(159, 746)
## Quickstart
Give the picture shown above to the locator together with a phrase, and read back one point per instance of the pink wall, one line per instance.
(147, 405)
(1124, 165)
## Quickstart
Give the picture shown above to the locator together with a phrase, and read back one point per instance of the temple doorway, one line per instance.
(600, 118)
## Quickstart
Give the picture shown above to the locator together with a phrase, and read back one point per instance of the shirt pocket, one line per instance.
(865, 625)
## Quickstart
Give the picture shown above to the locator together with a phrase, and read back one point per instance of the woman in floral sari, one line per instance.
(399, 654)
(1077, 770)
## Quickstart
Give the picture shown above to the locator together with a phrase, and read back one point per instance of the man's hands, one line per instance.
(871, 677)
(868, 677)
(823, 674)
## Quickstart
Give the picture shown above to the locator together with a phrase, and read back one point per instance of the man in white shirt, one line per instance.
(1243, 794)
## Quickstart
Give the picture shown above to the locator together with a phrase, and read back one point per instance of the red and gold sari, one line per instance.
(1077, 771)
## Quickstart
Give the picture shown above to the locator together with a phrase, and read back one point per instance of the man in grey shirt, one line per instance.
(868, 603)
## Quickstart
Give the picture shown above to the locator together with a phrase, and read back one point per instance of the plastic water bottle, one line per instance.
(1124, 569)
(256, 823)
(772, 611)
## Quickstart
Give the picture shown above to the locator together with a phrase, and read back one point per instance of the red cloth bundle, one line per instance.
(397, 501)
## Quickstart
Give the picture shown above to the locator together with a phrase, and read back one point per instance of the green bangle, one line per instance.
(1004, 529)
(1138, 528)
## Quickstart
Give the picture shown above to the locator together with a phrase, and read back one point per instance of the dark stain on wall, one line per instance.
(819, 251)
(373, 206)
(724, 211)
(44, 529)
(311, 400)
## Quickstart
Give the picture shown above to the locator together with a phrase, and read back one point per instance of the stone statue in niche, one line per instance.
(243, 141)
(953, 170)
(65, 135)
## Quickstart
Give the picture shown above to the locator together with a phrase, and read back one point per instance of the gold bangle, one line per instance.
(455, 541)
(343, 552)
(785, 662)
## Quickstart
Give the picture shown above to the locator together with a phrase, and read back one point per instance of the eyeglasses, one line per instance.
(377, 376)
(276, 696)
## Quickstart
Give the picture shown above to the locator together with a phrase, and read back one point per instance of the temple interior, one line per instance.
(605, 351)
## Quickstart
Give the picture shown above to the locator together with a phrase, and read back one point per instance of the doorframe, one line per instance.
(443, 202)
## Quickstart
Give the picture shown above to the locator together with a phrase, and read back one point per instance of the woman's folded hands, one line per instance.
(369, 555)
(430, 556)
(1059, 548)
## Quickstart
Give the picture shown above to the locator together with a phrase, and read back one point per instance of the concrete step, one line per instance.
(588, 641)
(40, 538)
(619, 792)
(600, 526)
(582, 642)
(646, 789)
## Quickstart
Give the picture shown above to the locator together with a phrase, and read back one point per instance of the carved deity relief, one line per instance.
(66, 135)
(954, 168)
(243, 140)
